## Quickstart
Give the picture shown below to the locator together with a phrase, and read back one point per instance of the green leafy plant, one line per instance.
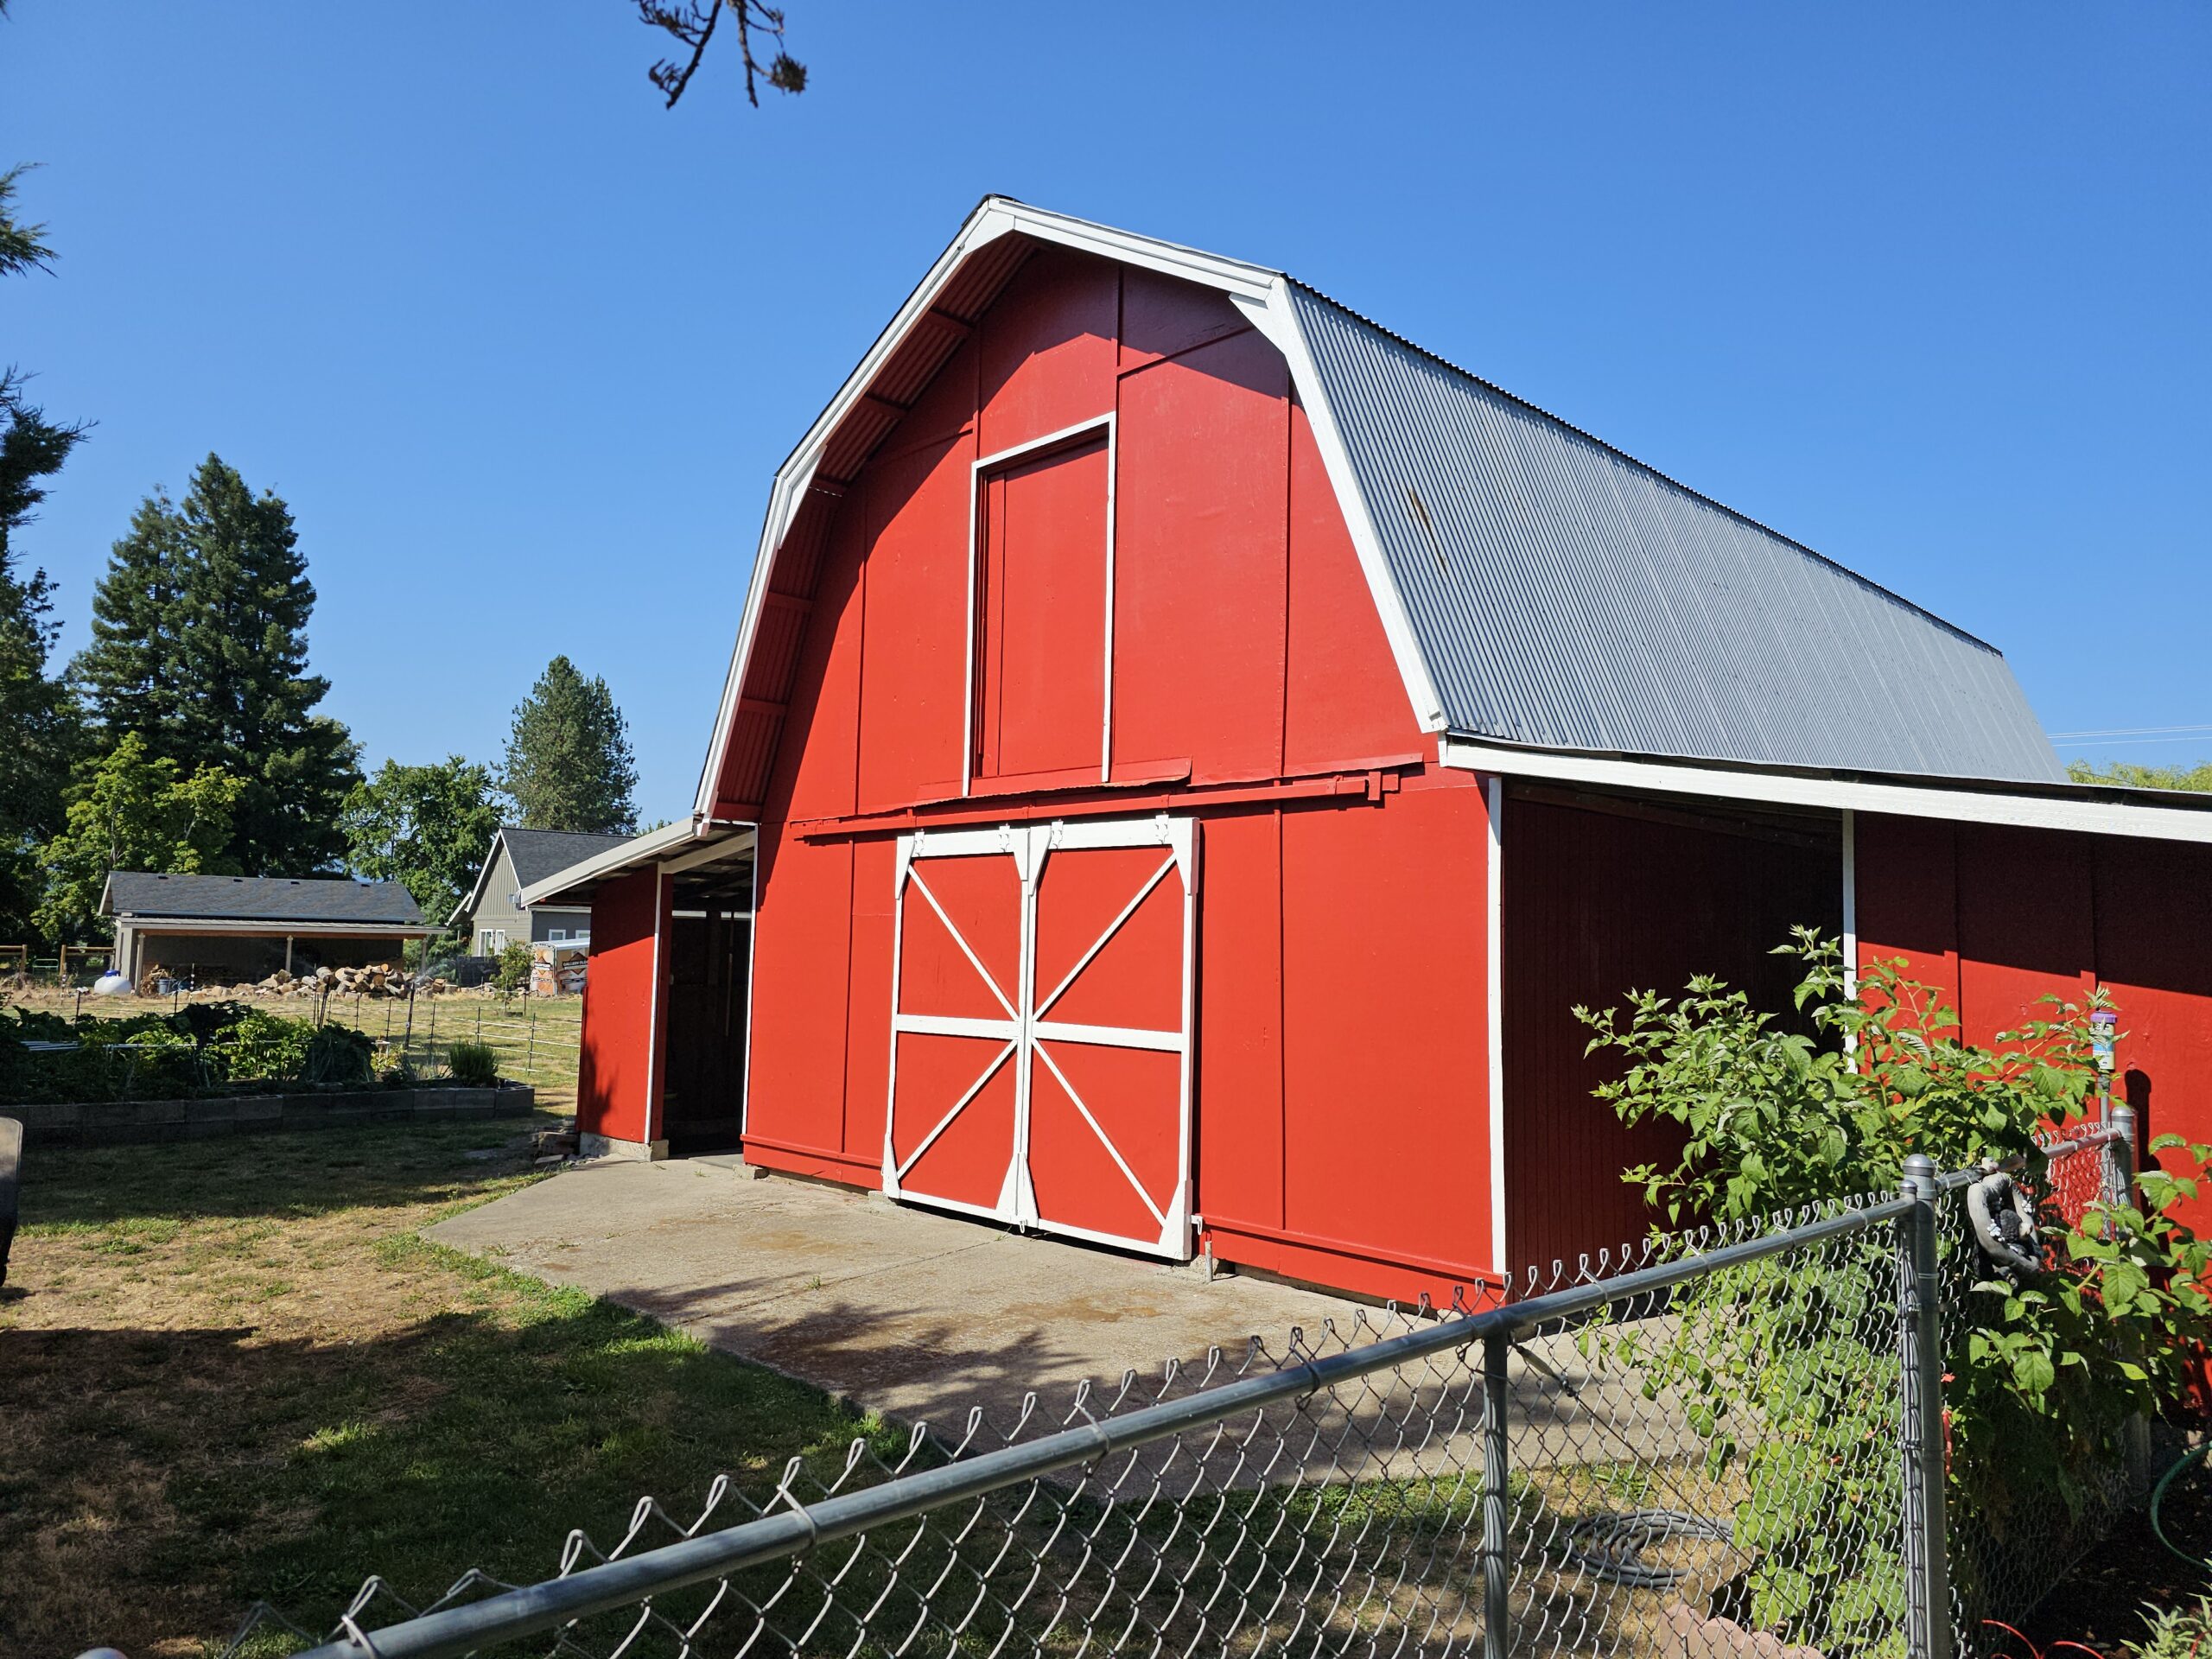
(262, 1047)
(2181, 1631)
(513, 973)
(474, 1066)
(203, 1048)
(1787, 1367)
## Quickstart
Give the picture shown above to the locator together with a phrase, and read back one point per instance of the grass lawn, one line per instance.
(232, 1370)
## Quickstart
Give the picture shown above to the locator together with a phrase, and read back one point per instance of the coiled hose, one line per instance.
(1611, 1547)
(2195, 1454)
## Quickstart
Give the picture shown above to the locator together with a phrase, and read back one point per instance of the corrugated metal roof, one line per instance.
(1566, 595)
(260, 899)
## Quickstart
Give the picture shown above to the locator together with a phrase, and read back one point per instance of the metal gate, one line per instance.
(1041, 1028)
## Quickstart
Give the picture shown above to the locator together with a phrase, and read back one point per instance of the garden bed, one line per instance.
(131, 1123)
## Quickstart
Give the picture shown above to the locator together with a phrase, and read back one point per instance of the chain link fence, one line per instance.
(1729, 1443)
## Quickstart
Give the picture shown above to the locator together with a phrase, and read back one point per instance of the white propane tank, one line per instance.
(111, 983)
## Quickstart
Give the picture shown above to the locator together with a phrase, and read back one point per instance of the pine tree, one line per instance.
(41, 725)
(569, 764)
(130, 669)
(200, 646)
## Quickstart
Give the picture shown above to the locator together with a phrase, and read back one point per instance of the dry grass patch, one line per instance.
(230, 1370)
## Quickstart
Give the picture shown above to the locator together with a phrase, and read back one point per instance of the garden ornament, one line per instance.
(2005, 1224)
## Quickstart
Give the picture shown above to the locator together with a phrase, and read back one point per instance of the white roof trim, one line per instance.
(1277, 321)
(1261, 293)
(673, 843)
(467, 906)
(2089, 814)
(155, 921)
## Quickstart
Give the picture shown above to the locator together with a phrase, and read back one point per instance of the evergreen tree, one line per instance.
(41, 725)
(130, 669)
(200, 646)
(568, 760)
(425, 827)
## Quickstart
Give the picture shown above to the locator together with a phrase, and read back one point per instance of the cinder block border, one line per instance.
(136, 1123)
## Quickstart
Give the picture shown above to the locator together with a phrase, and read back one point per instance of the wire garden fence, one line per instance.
(1728, 1444)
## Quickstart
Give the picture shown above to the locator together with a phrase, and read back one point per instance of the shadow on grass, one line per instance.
(157, 1482)
(286, 1173)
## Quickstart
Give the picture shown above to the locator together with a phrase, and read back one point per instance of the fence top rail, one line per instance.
(451, 1632)
(2054, 1148)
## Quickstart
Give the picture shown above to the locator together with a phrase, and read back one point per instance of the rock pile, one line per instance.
(377, 979)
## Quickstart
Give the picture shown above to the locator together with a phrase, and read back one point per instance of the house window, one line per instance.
(490, 941)
(1043, 573)
(554, 934)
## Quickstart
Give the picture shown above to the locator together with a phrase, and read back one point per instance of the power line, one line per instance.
(2133, 731)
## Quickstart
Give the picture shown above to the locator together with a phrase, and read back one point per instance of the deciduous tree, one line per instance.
(426, 826)
(132, 810)
(2131, 776)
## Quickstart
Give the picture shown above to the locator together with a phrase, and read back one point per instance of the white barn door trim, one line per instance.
(1022, 1034)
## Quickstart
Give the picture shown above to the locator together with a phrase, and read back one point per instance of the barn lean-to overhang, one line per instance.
(935, 320)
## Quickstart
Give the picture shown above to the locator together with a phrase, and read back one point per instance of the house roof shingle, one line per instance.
(260, 899)
(537, 853)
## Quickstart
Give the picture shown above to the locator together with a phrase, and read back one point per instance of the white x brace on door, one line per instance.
(1040, 1028)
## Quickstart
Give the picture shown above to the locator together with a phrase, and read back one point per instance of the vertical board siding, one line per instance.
(617, 1090)
(2033, 914)
(1341, 1083)
(914, 505)
(1239, 1155)
(1386, 1105)
(1597, 903)
(1342, 700)
(1200, 562)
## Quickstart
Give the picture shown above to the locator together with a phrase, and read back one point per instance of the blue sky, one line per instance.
(1925, 287)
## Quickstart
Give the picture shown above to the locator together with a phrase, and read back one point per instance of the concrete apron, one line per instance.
(917, 1315)
(925, 1317)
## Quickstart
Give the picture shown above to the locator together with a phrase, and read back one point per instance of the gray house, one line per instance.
(516, 859)
(232, 928)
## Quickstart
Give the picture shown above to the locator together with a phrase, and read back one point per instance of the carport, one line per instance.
(671, 951)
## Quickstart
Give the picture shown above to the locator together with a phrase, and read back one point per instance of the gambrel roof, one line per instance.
(1538, 587)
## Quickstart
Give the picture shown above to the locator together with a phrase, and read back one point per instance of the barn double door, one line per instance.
(1040, 1066)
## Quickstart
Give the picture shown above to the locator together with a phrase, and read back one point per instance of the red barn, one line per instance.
(1187, 751)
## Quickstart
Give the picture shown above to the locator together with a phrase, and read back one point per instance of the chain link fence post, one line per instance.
(1498, 1567)
(2120, 1156)
(1920, 1349)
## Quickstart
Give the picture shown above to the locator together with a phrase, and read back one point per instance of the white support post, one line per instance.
(1850, 916)
(1493, 1013)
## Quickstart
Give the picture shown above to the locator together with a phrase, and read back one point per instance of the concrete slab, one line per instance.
(917, 1315)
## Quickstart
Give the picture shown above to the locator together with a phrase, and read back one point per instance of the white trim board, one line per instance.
(674, 843)
(2088, 815)
(1067, 436)
(1263, 297)
(1493, 1011)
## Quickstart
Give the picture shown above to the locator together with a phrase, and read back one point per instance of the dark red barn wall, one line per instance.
(1343, 1105)
(1996, 918)
(620, 1066)
(1598, 899)
(1341, 1089)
